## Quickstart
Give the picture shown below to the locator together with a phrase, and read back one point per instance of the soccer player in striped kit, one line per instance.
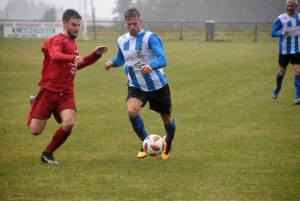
(56, 94)
(141, 53)
(287, 28)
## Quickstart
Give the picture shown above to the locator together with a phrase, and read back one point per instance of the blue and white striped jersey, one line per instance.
(135, 51)
(290, 43)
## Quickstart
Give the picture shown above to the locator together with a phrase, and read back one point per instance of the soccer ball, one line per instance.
(153, 145)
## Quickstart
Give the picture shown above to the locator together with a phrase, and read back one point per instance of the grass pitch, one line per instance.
(233, 141)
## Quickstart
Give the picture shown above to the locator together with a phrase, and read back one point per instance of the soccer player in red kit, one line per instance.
(56, 94)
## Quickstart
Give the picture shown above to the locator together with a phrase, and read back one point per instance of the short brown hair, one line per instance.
(131, 13)
(70, 13)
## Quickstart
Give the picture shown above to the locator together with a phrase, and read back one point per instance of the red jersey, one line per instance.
(59, 69)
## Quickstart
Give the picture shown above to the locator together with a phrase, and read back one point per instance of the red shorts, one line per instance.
(48, 102)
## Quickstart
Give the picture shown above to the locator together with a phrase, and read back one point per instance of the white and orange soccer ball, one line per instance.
(153, 145)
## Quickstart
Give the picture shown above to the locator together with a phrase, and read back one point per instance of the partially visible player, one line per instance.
(141, 53)
(56, 94)
(287, 28)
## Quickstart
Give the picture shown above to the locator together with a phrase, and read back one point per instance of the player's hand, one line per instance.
(286, 32)
(78, 61)
(108, 65)
(100, 50)
(145, 69)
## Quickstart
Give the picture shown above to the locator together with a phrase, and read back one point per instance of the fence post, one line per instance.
(181, 29)
(255, 32)
(210, 30)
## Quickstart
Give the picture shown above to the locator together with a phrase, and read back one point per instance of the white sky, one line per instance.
(103, 8)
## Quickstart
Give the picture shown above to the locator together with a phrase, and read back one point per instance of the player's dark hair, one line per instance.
(131, 13)
(70, 13)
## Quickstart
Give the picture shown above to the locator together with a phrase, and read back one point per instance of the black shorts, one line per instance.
(284, 60)
(159, 100)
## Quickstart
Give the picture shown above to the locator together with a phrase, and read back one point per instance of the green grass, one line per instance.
(233, 141)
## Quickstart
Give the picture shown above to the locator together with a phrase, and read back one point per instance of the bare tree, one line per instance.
(218, 10)
(50, 15)
(121, 7)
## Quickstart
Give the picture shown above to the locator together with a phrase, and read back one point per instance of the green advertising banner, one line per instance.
(32, 29)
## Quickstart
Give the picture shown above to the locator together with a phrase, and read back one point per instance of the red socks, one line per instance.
(58, 139)
(29, 117)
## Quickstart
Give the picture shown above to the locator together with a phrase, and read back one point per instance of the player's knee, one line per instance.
(35, 131)
(68, 125)
(167, 119)
(132, 113)
(297, 72)
(282, 71)
(169, 122)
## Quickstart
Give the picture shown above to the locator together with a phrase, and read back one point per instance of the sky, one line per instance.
(103, 8)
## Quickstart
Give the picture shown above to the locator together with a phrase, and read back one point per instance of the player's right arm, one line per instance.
(277, 29)
(108, 65)
(55, 51)
(119, 60)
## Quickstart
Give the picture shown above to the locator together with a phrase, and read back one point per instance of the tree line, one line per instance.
(29, 10)
(201, 10)
(162, 10)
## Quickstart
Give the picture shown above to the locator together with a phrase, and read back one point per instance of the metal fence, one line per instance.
(191, 30)
(185, 30)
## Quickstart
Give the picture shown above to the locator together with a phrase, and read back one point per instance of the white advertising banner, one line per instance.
(32, 29)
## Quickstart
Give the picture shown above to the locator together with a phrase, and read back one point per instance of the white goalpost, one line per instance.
(84, 11)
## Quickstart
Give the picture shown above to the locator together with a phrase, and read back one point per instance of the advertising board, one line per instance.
(32, 29)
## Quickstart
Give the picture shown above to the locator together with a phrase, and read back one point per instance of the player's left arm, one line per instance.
(156, 45)
(93, 57)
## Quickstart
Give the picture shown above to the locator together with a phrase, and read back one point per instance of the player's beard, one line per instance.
(73, 36)
(134, 32)
(291, 11)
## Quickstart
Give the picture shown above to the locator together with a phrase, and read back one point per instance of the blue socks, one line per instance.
(138, 126)
(297, 86)
(170, 130)
(279, 79)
